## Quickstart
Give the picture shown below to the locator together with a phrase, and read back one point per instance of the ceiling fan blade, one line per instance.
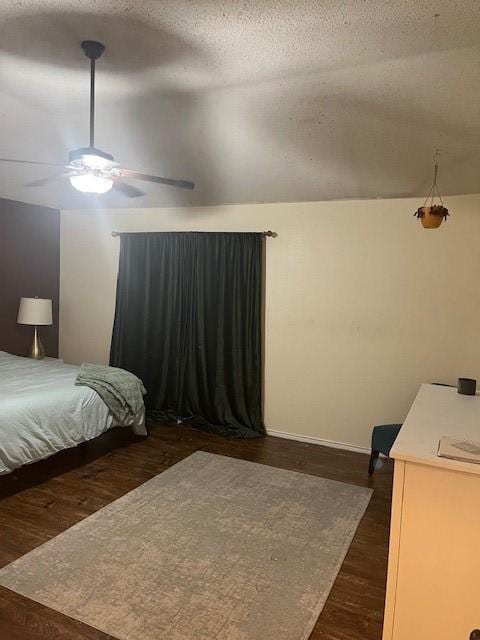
(127, 189)
(183, 184)
(45, 164)
(42, 181)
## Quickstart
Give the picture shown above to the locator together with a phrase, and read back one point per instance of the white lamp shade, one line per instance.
(35, 311)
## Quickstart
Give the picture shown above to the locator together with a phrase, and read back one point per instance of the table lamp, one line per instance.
(36, 312)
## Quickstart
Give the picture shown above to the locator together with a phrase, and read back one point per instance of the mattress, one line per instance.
(43, 412)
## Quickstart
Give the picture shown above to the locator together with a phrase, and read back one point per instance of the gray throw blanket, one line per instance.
(121, 391)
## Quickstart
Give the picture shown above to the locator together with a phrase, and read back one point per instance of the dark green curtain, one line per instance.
(188, 323)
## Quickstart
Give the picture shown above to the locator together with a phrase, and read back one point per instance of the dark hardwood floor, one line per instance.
(42, 500)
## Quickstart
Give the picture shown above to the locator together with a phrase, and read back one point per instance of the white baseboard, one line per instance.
(320, 441)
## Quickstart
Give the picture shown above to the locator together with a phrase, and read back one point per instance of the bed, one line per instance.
(43, 412)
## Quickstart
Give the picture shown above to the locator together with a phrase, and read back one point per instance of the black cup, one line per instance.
(467, 386)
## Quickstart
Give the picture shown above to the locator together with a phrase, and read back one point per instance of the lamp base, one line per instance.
(37, 352)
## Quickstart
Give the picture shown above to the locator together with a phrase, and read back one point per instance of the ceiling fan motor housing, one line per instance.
(77, 155)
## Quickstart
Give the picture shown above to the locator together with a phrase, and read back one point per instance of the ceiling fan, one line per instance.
(91, 170)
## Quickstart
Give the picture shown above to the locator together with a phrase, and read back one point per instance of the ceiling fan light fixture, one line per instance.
(91, 183)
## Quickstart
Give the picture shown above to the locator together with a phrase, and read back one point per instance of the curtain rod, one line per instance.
(268, 234)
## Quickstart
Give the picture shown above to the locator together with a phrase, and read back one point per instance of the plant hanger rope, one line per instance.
(434, 187)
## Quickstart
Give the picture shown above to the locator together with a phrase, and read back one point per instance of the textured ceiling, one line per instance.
(273, 100)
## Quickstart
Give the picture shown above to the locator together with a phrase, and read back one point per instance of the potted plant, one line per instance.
(432, 216)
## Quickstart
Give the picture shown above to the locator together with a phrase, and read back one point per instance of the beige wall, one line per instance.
(362, 304)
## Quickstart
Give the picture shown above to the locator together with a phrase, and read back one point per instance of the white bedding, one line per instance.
(42, 411)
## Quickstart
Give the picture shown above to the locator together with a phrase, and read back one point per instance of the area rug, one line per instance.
(212, 548)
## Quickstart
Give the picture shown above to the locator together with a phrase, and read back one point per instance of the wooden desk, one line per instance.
(433, 586)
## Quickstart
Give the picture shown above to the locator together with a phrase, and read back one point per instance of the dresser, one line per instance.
(433, 585)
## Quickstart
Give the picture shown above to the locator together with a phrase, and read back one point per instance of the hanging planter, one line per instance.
(432, 215)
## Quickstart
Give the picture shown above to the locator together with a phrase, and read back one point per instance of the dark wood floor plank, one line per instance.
(40, 501)
(22, 619)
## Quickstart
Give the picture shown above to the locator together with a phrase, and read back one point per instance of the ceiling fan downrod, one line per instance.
(93, 50)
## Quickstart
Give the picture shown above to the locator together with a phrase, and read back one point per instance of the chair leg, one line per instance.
(373, 459)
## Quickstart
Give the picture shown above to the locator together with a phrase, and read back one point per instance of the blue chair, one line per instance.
(383, 438)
